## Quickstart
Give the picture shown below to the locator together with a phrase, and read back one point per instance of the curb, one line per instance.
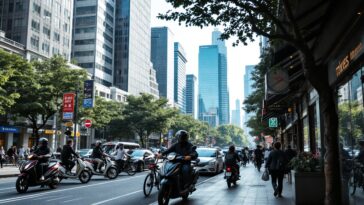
(8, 175)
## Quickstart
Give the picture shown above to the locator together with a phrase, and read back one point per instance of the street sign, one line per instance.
(88, 123)
(68, 106)
(67, 116)
(273, 122)
(88, 92)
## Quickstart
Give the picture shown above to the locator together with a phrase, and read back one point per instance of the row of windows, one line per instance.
(85, 42)
(19, 6)
(107, 37)
(83, 53)
(103, 68)
(107, 48)
(85, 10)
(86, 30)
(86, 21)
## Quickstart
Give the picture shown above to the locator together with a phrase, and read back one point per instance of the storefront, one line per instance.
(9, 135)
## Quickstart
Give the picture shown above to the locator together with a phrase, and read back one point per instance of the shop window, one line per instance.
(306, 135)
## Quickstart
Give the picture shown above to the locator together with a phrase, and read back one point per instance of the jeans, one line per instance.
(277, 175)
(186, 174)
(120, 164)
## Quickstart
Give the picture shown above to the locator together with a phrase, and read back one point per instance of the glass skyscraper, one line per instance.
(93, 38)
(132, 46)
(191, 95)
(180, 77)
(162, 57)
(248, 89)
(208, 87)
(235, 114)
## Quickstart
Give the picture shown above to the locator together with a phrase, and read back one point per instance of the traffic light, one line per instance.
(68, 131)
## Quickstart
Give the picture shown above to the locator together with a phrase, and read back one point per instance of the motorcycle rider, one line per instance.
(232, 158)
(43, 153)
(119, 154)
(97, 155)
(66, 155)
(185, 149)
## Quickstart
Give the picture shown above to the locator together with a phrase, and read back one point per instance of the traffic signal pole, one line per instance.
(75, 120)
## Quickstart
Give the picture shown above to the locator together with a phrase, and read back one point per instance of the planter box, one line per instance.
(309, 188)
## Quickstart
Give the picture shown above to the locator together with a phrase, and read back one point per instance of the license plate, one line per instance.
(228, 174)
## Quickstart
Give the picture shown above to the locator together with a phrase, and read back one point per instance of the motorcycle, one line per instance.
(171, 185)
(82, 172)
(231, 176)
(29, 177)
(109, 168)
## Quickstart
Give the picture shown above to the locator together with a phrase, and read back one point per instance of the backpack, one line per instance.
(278, 162)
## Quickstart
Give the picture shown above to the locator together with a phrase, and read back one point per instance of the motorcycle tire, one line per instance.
(163, 195)
(148, 184)
(85, 176)
(131, 170)
(112, 173)
(22, 184)
(53, 185)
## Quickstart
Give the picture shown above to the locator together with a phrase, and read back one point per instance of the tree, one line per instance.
(277, 21)
(15, 73)
(231, 134)
(144, 115)
(350, 123)
(40, 102)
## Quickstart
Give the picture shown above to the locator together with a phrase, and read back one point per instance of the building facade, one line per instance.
(248, 89)
(180, 61)
(192, 95)
(162, 57)
(42, 26)
(208, 84)
(93, 38)
(132, 46)
(236, 114)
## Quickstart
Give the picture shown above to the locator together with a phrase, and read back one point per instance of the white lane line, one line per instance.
(118, 197)
(40, 198)
(206, 180)
(7, 188)
(3, 201)
(58, 198)
(76, 199)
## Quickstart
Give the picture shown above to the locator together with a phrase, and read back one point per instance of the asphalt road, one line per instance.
(125, 189)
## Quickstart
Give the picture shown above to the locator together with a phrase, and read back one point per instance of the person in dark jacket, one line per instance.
(43, 153)
(98, 154)
(66, 155)
(258, 157)
(276, 165)
(183, 148)
(232, 158)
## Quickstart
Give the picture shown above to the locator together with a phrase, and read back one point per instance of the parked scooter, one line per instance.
(171, 185)
(231, 176)
(109, 169)
(29, 177)
(82, 172)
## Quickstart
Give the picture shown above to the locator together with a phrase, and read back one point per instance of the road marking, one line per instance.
(55, 199)
(76, 199)
(118, 197)
(13, 199)
(206, 180)
(40, 198)
(7, 188)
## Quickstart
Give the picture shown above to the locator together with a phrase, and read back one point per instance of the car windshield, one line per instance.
(108, 148)
(206, 153)
(138, 153)
(84, 151)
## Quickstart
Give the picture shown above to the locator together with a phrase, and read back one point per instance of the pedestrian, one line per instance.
(26, 153)
(2, 156)
(11, 154)
(258, 157)
(266, 153)
(276, 164)
(21, 152)
(290, 154)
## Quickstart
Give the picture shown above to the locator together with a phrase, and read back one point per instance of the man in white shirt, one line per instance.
(119, 154)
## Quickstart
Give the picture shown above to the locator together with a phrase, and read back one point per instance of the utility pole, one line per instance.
(75, 119)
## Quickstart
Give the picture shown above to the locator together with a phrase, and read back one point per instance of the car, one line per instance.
(109, 147)
(142, 158)
(85, 153)
(211, 160)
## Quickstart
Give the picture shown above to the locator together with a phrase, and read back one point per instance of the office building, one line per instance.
(162, 57)
(153, 82)
(236, 114)
(192, 95)
(43, 27)
(248, 89)
(180, 61)
(132, 46)
(208, 84)
(93, 38)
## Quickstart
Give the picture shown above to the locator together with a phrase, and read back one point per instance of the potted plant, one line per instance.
(308, 179)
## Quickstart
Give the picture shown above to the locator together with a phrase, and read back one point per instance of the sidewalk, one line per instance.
(9, 171)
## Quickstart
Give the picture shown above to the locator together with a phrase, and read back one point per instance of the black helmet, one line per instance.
(43, 141)
(182, 136)
(232, 148)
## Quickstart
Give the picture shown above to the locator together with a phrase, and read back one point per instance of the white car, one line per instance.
(211, 160)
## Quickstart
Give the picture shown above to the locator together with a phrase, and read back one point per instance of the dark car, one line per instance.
(142, 157)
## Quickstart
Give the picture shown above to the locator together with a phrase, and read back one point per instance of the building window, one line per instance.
(9, 25)
(65, 27)
(36, 8)
(47, 14)
(11, 7)
(47, 32)
(109, 18)
(107, 37)
(85, 42)
(106, 59)
(19, 6)
(18, 22)
(34, 41)
(83, 53)
(35, 26)
(85, 10)
(86, 21)
(109, 8)
(66, 42)
(107, 48)
(86, 65)
(55, 51)
(103, 68)
(45, 47)
(86, 30)
(56, 36)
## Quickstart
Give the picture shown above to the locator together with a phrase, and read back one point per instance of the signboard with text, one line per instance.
(88, 91)
(68, 106)
(273, 122)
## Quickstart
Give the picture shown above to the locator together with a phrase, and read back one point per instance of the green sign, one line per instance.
(273, 122)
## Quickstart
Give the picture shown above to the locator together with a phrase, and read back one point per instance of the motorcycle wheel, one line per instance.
(85, 176)
(148, 184)
(131, 169)
(53, 185)
(22, 184)
(112, 173)
(163, 195)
